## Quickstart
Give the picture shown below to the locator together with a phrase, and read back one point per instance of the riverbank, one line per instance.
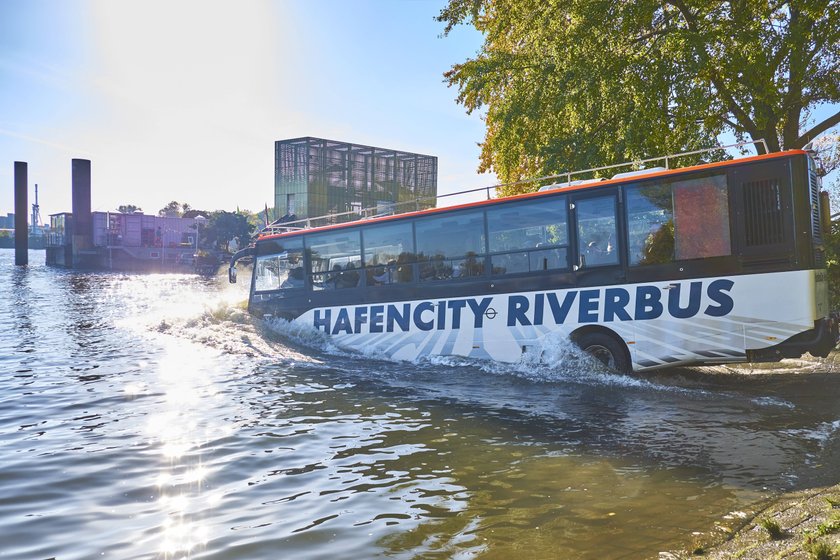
(795, 525)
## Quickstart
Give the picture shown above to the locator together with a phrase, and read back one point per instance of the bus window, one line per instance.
(650, 224)
(529, 236)
(597, 238)
(701, 221)
(280, 271)
(389, 253)
(451, 246)
(678, 220)
(335, 259)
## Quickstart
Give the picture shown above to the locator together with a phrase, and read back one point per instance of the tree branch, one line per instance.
(816, 131)
(742, 116)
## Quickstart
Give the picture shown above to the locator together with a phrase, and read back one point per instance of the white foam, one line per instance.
(774, 401)
(821, 433)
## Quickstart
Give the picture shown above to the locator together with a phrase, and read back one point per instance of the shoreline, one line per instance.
(800, 524)
(808, 523)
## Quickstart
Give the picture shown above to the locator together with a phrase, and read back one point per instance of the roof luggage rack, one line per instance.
(415, 205)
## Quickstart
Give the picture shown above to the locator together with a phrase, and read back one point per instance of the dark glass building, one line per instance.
(315, 177)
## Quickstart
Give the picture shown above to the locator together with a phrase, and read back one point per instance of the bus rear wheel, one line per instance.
(606, 349)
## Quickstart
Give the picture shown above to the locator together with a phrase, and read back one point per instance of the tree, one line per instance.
(571, 85)
(171, 210)
(128, 209)
(223, 226)
(827, 149)
(192, 213)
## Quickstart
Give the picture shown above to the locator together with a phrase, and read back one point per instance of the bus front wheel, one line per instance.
(606, 349)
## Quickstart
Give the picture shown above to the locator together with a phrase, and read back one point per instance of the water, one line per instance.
(150, 417)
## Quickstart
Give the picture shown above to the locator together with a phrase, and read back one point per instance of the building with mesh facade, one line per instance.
(315, 177)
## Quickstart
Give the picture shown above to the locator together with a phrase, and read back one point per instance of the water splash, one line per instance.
(821, 433)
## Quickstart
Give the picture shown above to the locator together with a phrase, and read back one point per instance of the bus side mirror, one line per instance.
(232, 275)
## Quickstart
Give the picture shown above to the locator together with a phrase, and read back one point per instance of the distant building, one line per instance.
(123, 242)
(314, 177)
(7, 221)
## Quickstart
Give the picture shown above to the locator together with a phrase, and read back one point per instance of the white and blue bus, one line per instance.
(714, 263)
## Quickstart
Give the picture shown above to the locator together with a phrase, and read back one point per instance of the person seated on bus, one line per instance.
(460, 270)
(442, 270)
(330, 279)
(294, 279)
(428, 268)
(474, 264)
(385, 275)
(349, 278)
(405, 272)
(371, 272)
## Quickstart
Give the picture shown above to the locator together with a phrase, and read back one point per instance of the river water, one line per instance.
(148, 416)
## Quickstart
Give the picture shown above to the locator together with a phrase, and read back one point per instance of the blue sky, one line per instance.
(184, 100)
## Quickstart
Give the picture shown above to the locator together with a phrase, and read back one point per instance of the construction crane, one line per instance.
(36, 226)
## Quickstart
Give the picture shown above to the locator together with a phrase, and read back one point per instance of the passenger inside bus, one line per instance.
(294, 279)
(405, 271)
(349, 278)
(384, 275)
(332, 278)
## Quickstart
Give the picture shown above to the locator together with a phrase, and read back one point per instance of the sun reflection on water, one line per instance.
(180, 430)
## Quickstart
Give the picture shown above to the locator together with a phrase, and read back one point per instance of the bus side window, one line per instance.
(678, 220)
(650, 224)
(530, 236)
(389, 250)
(597, 234)
(334, 258)
(451, 246)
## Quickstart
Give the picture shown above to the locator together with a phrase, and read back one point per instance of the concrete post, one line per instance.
(21, 213)
(82, 217)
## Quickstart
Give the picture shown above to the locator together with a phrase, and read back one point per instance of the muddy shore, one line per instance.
(803, 524)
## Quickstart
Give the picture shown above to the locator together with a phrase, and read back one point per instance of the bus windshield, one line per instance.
(280, 271)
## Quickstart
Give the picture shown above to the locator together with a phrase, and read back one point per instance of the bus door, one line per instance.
(597, 254)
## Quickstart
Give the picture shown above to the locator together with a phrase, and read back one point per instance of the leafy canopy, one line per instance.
(174, 209)
(572, 84)
(128, 209)
(223, 226)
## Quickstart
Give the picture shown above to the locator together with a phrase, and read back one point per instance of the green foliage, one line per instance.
(829, 527)
(223, 226)
(128, 209)
(571, 85)
(819, 550)
(173, 210)
(774, 531)
(831, 240)
(258, 218)
(192, 213)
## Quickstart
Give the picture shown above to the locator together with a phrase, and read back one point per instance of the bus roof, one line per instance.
(525, 196)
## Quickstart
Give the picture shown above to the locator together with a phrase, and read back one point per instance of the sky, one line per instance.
(183, 100)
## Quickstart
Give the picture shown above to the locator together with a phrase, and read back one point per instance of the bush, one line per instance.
(820, 551)
(773, 529)
(831, 241)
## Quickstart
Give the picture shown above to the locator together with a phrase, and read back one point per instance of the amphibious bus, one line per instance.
(714, 263)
